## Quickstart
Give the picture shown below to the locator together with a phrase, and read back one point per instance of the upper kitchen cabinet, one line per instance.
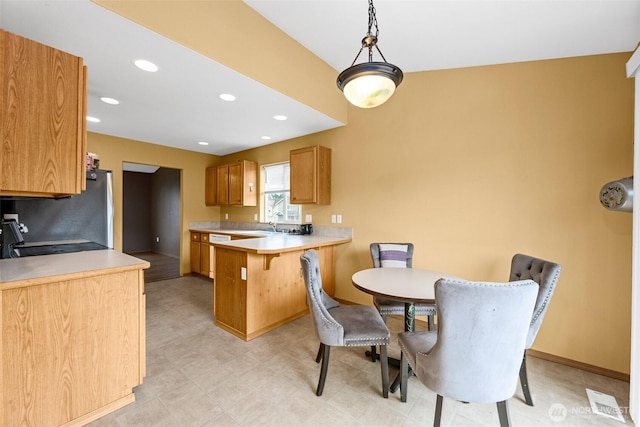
(232, 184)
(43, 93)
(242, 183)
(210, 186)
(310, 175)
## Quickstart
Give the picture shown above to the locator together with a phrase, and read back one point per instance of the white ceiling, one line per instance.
(179, 106)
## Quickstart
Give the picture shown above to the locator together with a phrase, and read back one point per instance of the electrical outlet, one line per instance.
(255, 217)
(333, 219)
(307, 218)
(226, 216)
(339, 218)
(157, 239)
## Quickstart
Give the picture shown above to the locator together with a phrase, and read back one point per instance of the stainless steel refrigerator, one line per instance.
(87, 216)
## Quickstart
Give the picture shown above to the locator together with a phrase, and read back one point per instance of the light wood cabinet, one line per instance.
(310, 170)
(73, 347)
(232, 184)
(210, 183)
(222, 185)
(204, 254)
(43, 94)
(200, 261)
(272, 293)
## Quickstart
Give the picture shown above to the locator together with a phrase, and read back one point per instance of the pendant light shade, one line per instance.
(370, 84)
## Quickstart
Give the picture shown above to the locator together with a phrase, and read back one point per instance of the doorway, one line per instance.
(151, 214)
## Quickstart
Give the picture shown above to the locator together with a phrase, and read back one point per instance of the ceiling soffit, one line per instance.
(233, 34)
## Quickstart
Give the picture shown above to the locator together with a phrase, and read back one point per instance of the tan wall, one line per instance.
(474, 165)
(113, 151)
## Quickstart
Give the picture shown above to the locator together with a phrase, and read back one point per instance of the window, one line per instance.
(276, 206)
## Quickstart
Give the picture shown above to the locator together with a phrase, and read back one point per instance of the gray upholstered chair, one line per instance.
(398, 255)
(545, 274)
(476, 353)
(342, 326)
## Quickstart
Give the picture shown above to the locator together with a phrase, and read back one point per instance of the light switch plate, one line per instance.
(307, 218)
(339, 218)
(243, 273)
(255, 217)
(226, 216)
(333, 219)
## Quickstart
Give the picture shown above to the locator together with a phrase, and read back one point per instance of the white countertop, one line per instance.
(256, 233)
(27, 271)
(280, 242)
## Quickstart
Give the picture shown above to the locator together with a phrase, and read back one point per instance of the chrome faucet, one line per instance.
(273, 225)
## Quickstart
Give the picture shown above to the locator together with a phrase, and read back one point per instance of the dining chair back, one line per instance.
(341, 326)
(397, 255)
(545, 274)
(475, 355)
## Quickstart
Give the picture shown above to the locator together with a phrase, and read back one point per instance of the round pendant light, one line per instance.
(370, 84)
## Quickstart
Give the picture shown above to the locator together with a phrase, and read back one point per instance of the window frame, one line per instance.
(288, 206)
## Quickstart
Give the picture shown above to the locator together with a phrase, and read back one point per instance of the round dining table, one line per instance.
(409, 285)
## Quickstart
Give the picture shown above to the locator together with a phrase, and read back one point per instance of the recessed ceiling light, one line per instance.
(227, 97)
(145, 65)
(93, 119)
(280, 117)
(111, 101)
(265, 137)
(203, 143)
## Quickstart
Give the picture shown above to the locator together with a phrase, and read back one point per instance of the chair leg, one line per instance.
(320, 351)
(525, 382)
(404, 377)
(324, 369)
(374, 355)
(384, 368)
(438, 415)
(503, 413)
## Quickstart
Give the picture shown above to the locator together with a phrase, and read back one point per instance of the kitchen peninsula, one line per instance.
(258, 283)
(73, 336)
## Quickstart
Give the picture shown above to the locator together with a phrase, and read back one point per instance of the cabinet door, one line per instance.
(242, 183)
(43, 126)
(210, 186)
(303, 175)
(249, 187)
(235, 183)
(310, 175)
(195, 252)
(204, 254)
(222, 185)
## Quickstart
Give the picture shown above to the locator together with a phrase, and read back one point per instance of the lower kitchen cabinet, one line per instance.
(73, 345)
(200, 253)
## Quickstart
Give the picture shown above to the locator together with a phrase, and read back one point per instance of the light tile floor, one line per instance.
(199, 375)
